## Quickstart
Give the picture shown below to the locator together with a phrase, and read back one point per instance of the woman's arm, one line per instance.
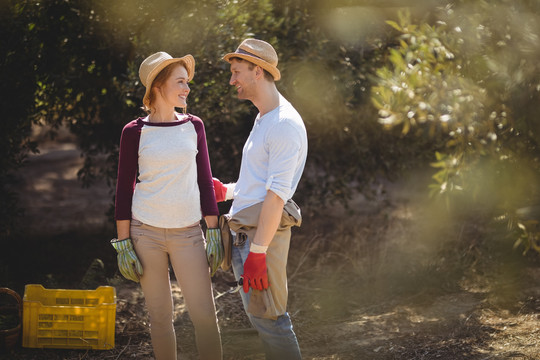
(122, 229)
(127, 170)
(211, 221)
(204, 173)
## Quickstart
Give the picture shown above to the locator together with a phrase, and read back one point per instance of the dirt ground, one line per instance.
(389, 278)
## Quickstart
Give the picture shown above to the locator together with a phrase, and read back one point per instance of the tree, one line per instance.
(469, 83)
(76, 64)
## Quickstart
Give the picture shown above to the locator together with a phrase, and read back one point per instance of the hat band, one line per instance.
(244, 52)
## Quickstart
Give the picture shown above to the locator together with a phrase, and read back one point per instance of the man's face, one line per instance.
(243, 79)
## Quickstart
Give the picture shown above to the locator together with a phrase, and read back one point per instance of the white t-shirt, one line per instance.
(164, 176)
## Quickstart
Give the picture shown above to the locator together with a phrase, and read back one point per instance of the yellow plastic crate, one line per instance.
(69, 319)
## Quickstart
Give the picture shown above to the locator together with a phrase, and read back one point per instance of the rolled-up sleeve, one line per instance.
(283, 144)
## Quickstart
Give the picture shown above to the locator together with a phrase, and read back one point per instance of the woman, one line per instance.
(158, 212)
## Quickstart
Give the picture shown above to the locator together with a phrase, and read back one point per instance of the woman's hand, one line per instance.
(214, 249)
(128, 262)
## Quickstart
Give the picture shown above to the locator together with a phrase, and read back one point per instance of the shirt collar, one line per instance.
(282, 101)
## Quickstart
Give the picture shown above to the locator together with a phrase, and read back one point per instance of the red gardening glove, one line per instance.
(255, 274)
(220, 190)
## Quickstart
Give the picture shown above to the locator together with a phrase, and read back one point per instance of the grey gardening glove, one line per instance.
(128, 262)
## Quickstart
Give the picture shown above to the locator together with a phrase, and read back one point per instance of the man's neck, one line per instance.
(267, 98)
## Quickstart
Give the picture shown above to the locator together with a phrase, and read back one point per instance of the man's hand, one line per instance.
(255, 273)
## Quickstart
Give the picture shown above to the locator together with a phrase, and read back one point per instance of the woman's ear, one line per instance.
(157, 91)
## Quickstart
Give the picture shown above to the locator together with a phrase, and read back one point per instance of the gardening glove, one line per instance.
(128, 262)
(255, 273)
(223, 192)
(214, 249)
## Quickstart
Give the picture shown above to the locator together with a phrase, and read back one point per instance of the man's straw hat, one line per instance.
(259, 53)
(152, 65)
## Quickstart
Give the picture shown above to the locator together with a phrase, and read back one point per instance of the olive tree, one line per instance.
(469, 82)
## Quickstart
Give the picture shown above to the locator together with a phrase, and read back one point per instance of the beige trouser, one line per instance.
(272, 302)
(186, 251)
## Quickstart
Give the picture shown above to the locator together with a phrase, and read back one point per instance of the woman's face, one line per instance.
(175, 89)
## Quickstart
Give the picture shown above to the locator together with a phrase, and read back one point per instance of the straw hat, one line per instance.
(152, 65)
(259, 53)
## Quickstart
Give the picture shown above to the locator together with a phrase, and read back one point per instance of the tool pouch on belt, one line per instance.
(226, 239)
(295, 215)
(272, 302)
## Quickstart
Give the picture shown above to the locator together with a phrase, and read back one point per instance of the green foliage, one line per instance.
(469, 84)
(60, 67)
(453, 86)
(76, 63)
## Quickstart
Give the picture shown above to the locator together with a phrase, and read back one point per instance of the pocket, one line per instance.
(136, 229)
(193, 230)
(193, 236)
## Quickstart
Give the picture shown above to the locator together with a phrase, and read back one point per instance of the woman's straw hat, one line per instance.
(152, 65)
(258, 52)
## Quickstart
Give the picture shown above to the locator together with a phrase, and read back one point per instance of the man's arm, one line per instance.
(269, 219)
(255, 272)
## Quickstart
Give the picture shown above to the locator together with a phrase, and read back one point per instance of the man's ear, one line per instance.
(259, 72)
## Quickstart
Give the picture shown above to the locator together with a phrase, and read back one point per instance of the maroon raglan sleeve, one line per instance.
(127, 169)
(204, 172)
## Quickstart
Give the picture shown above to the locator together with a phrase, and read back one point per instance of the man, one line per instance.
(262, 212)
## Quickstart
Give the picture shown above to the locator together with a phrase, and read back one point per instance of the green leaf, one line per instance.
(438, 164)
(440, 176)
(397, 59)
(376, 102)
(394, 25)
(406, 127)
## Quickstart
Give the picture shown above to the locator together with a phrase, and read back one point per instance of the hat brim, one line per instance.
(274, 71)
(189, 64)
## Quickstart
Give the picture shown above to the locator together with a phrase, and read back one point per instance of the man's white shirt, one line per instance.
(273, 158)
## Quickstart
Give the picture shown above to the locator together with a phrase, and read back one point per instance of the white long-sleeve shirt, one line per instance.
(273, 158)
